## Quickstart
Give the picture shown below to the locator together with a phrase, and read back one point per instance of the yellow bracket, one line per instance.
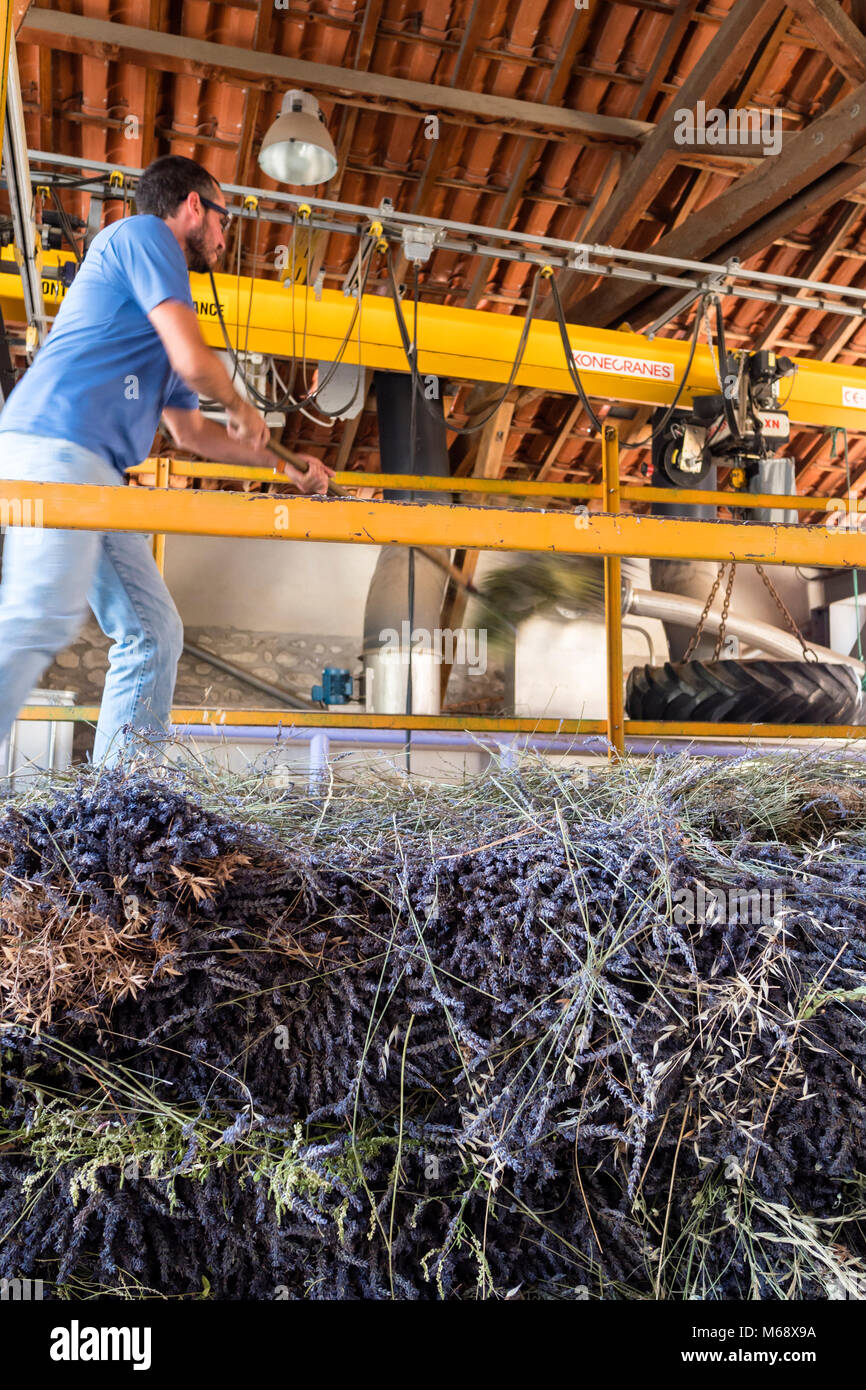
(43, 190)
(376, 229)
(546, 272)
(304, 211)
(116, 179)
(251, 202)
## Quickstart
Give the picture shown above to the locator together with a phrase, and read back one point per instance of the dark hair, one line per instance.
(168, 181)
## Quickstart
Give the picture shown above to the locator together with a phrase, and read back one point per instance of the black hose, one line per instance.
(666, 418)
(730, 414)
(287, 401)
(407, 349)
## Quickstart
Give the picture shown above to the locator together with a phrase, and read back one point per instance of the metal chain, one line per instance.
(703, 618)
(725, 608)
(808, 653)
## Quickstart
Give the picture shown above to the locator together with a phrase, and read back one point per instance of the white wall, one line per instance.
(315, 587)
(270, 586)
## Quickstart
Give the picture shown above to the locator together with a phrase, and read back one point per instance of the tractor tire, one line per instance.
(745, 692)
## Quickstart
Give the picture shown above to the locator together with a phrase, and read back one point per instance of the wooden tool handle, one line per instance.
(297, 461)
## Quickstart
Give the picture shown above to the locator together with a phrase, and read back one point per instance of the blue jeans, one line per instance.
(50, 578)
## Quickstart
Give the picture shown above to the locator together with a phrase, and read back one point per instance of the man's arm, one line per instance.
(192, 430)
(203, 372)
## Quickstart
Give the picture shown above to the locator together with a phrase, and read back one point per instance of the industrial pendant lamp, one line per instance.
(298, 149)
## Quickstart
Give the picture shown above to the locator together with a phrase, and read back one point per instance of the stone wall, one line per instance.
(293, 660)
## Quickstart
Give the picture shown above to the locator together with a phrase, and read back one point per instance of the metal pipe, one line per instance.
(613, 597)
(223, 721)
(513, 487)
(656, 264)
(577, 744)
(5, 55)
(163, 475)
(678, 608)
(18, 184)
(293, 702)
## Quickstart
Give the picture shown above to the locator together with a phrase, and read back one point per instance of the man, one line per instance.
(124, 350)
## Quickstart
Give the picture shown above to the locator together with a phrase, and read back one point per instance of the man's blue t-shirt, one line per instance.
(102, 378)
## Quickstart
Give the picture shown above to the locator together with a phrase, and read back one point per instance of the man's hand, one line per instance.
(192, 430)
(247, 426)
(315, 480)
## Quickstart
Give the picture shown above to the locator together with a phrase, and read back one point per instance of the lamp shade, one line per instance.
(298, 149)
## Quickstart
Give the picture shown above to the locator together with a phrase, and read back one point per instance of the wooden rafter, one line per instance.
(72, 33)
(815, 267)
(532, 150)
(709, 80)
(837, 35)
(737, 215)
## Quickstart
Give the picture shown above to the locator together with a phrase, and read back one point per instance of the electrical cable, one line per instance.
(569, 357)
(289, 402)
(252, 283)
(66, 226)
(666, 418)
(521, 349)
(730, 416)
(362, 272)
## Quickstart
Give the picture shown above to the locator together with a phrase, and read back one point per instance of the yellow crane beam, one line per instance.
(472, 345)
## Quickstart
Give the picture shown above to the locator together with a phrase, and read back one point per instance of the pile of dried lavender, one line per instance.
(531, 1037)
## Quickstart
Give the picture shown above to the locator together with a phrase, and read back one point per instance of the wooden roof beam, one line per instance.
(709, 80)
(72, 33)
(836, 34)
(810, 174)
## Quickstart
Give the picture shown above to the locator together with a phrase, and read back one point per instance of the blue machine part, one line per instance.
(336, 687)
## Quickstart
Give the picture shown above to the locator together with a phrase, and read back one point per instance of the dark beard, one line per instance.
(195, 256)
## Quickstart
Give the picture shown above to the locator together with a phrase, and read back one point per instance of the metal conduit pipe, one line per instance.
(404, 602)
(454, 741)
(678, 608)
(277, 692)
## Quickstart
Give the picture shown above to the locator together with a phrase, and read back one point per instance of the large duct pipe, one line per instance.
(404, 602)
(686, 612)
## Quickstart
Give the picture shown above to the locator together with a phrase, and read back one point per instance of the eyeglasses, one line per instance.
(225, 215)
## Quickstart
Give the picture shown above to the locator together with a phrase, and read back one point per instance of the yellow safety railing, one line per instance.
(609, 533)
(501, 487)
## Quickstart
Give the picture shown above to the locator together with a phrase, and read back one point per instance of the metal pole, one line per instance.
(319, 749)
(163, 474)
(27, 250)
(512, 487)
(613, 597)
(5, 51)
